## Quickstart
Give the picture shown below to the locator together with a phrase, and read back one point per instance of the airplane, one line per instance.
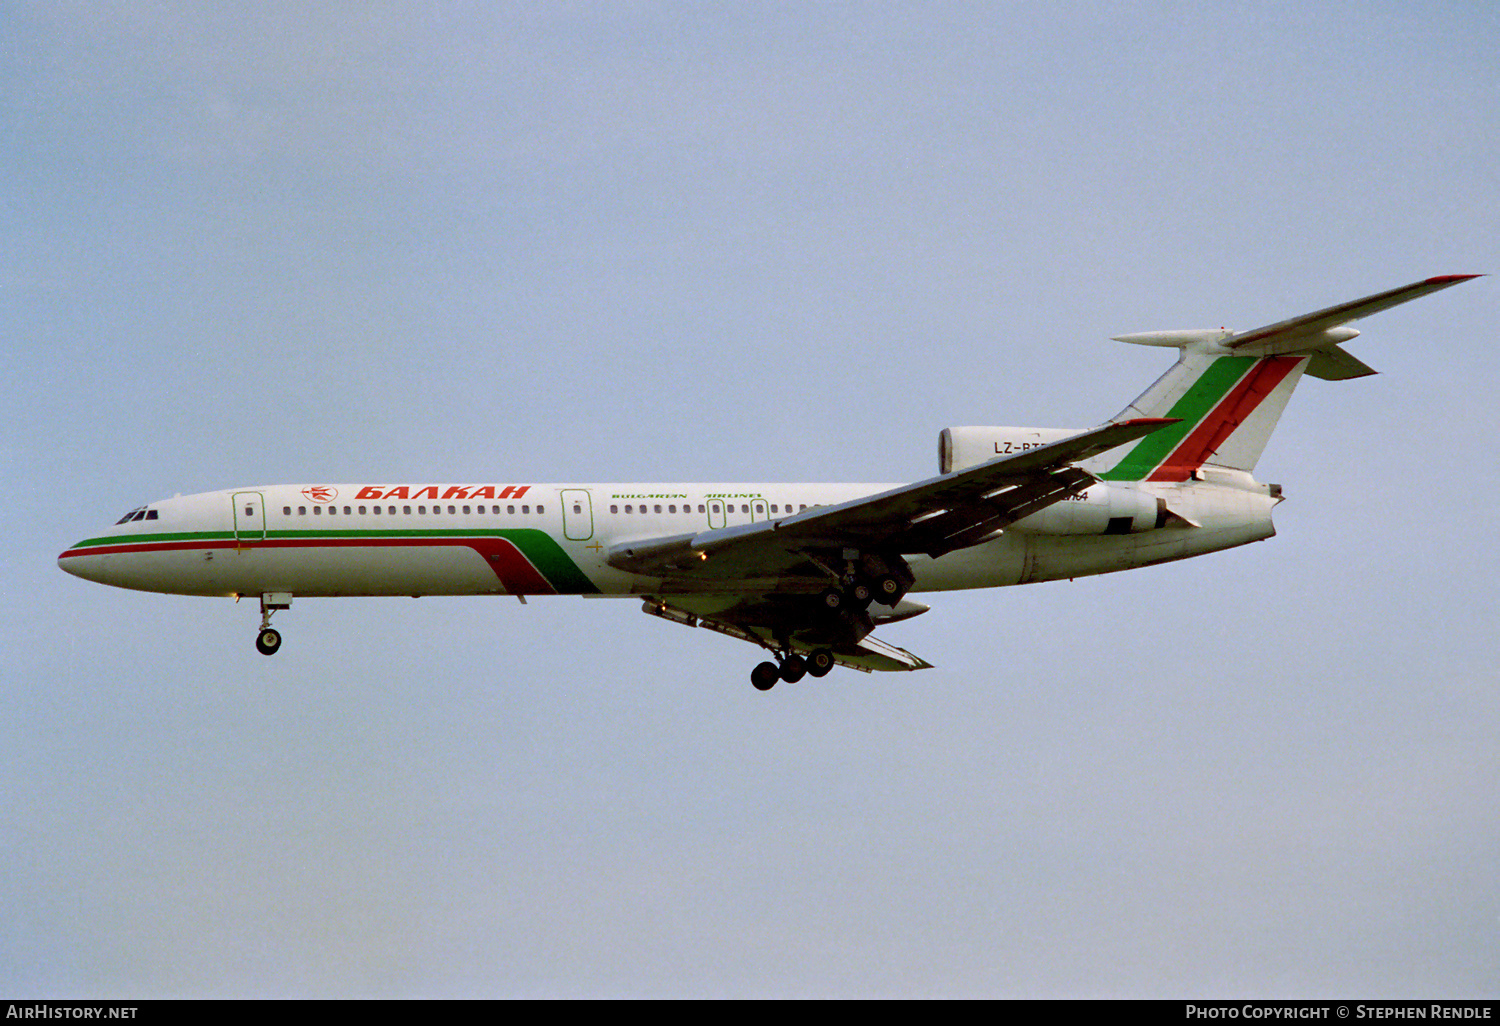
(804, 571)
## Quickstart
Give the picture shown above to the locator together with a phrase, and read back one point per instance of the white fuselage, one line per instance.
(422, 539)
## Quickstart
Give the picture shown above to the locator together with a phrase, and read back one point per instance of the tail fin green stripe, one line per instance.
(1212, 385)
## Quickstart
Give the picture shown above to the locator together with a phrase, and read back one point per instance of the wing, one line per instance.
(768, 583)
(934, 516)
(792, 623)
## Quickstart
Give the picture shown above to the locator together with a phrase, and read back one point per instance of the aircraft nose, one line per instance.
(79, 563)
(68, 561)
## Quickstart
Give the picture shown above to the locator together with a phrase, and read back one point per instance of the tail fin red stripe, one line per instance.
(1231, 412)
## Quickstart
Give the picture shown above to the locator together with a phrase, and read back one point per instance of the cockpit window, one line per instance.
(139, 513)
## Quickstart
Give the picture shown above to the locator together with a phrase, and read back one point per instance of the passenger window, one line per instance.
(423, 510)
(613, 508)
(511, 510)
(301, 511)
(466, 510)
(700, 507)
(286, 511)
(540, 510)
(317, 511)
(406, 510)
(525, 509)
(361, 510)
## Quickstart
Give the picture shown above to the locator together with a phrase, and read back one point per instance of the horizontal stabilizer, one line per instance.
(1312, 331)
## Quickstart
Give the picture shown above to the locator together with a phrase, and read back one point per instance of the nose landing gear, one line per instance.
(268, 641)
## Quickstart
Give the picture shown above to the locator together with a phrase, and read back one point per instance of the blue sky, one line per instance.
(766, 242)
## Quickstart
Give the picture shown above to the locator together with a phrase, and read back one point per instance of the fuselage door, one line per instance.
(578, 514)
(249, 509)
(758, 509)
(716, 515)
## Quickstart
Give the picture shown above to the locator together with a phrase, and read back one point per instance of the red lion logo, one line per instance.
(320, 493)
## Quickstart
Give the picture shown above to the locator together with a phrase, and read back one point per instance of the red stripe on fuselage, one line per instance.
(515, 572)
(1231, 412)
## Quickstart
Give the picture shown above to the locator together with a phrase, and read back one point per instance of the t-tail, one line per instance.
(1228, 389)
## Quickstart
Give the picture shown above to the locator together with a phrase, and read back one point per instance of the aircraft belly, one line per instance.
(994, 564)
(1056, 558)
(370, 570)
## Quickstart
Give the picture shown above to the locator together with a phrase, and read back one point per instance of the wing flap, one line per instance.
(760, 623)
(872, 654)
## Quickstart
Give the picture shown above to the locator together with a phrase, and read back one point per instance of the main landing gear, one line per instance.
(840, 612)
(792, 669)
(866, 578)
(268, 641)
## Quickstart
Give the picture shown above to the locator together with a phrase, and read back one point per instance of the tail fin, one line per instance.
(1228, 389)
(1226, 408)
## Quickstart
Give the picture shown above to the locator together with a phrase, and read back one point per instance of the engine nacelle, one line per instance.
(962, 447)
(1104, 508)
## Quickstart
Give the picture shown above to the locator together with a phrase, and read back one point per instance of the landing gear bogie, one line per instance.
(792, 668)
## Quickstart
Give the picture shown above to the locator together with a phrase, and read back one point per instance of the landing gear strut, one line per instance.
(268, 641)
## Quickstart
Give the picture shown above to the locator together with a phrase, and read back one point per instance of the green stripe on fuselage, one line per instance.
(155, 539)
(1212, 385)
